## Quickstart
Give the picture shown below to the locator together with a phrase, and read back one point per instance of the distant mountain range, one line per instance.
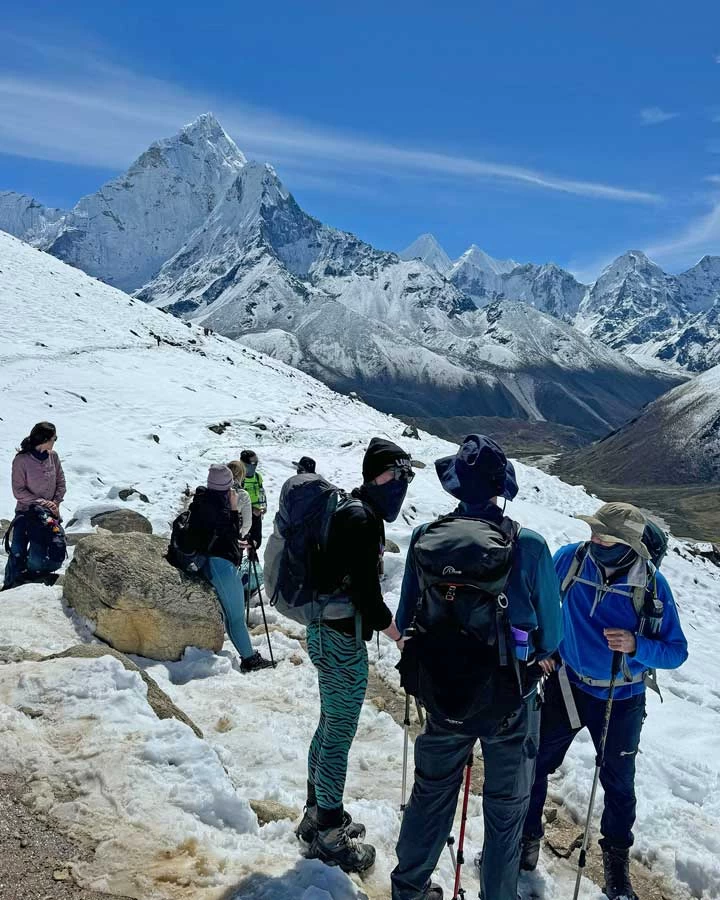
(195, 228)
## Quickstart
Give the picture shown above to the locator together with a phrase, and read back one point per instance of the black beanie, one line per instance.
(382, 455)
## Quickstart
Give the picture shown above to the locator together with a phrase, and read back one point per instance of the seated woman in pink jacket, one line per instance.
(37, 480)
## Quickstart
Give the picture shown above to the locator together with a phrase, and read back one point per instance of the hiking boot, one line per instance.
(529, 854)
(432, 892)
(254, 662)
(335, 848)
(616, 864)
(308, 827)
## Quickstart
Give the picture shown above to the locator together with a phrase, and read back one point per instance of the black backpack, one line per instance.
(181, 551)
(461, 662)
(294, 569)
(46, 533)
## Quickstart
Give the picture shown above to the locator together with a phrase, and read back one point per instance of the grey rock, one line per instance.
(137, 601)
(122, 521)
(391, 546)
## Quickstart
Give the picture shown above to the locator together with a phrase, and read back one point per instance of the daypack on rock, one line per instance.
(181, 552)
(645, 600)
(46, 533)
(294, 554)
(461, 661)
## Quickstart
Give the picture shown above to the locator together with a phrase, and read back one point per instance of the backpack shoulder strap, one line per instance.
(9, 532)
(510, 528)
(575, 567)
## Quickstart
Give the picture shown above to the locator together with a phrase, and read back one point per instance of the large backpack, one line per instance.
(295, 571)
(461, 662)
(46, 533)
(181, 551)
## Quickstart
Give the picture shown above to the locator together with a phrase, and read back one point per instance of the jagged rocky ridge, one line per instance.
(196, 229)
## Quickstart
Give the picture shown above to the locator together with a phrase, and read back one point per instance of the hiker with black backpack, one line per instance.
(322, 570)
(35, 541)
(212, 529)
(620, 623)
(479, 607)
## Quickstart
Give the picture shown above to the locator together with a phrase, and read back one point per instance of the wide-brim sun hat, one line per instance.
(619, 523)
(478, 472)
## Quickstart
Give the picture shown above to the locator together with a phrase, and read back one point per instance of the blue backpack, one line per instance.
(46, 533)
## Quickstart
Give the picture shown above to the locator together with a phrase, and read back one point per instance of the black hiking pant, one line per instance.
(440, 759)
(617, 776)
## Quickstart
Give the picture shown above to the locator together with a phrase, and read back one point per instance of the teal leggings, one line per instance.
(342, 675)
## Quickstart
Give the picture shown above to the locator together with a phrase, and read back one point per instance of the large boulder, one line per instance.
(122, 521)
(137, 601)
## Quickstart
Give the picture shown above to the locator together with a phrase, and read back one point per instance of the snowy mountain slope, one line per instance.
(25, 218)
(548, 288)
(134, 223)
(222, 242)
(167, 812)
(429, 251)
(695, 347)
(676, 440)
(477, 274)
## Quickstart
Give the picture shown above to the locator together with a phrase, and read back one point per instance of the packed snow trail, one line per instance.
(166, 818)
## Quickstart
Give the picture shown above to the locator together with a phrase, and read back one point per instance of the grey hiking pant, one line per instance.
(440, 759)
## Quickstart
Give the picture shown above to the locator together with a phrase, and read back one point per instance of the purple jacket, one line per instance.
(37, 479)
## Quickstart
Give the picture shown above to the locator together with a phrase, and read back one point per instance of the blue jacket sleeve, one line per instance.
(546, 600)
(669, 650)
(410, 588)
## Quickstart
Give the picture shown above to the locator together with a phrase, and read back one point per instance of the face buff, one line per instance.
(387, 499)
(250, 469)
(613, 557)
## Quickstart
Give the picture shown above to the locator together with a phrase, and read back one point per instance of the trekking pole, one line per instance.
(406, 742)
(262, 607)
(459, 893)
(599, 761)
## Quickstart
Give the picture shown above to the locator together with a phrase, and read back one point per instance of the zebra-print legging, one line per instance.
(342, 675)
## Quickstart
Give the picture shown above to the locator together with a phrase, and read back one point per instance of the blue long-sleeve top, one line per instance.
(533, 590)
(584, 647)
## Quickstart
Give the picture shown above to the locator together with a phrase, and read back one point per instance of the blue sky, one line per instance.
(557, 131)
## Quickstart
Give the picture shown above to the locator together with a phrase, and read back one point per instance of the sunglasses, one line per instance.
(403, 473)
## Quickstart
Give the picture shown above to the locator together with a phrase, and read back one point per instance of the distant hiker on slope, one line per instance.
(214, 529)
(38, 485)
(244, 504)
(253, 484)
(479, 605)
(617, 611)
(321, 569)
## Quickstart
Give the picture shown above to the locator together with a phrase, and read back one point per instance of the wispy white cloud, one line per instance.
(653, 115)
(91, 112)
(674, 252)
(713, 179)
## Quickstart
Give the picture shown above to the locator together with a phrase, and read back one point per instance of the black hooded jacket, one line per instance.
(355, 547)
(214, 528)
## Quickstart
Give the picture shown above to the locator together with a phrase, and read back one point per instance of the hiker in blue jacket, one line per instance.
(614, 600)
(477, 477)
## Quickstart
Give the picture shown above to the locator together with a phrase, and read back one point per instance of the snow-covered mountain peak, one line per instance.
(427, 248)
(480, 260)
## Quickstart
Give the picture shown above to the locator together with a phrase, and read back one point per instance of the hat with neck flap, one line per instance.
(478, 472)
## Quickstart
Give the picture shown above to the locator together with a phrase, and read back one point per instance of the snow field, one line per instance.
(167, 810)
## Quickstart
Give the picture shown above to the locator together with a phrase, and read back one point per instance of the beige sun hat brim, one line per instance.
(598, 528)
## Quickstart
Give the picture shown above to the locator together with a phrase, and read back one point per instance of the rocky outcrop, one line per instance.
(161, 704)
(122, 521)
(137, 601)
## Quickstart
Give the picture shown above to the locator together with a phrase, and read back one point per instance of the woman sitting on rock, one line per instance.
(37, 481)
(214, 529)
